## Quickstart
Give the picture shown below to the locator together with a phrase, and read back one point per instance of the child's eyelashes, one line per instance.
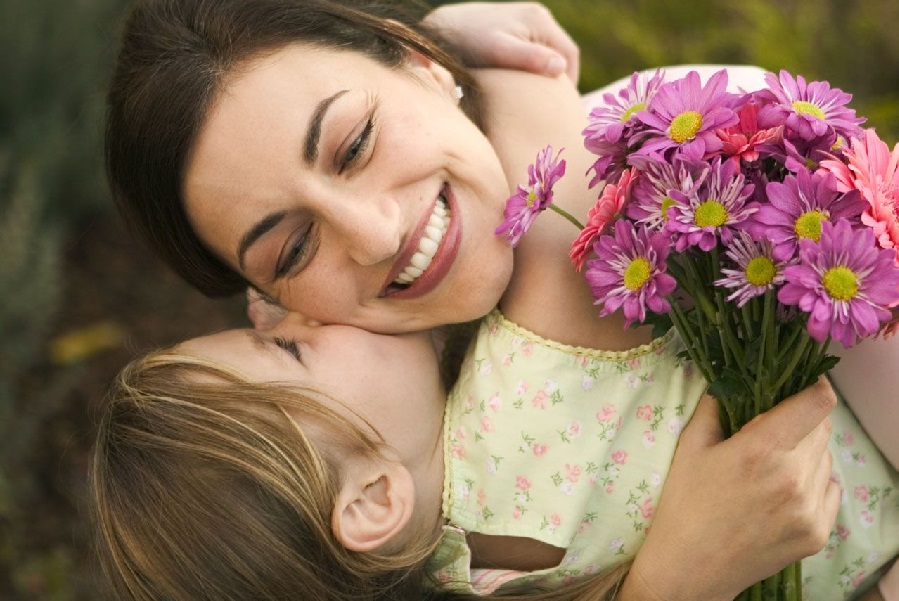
(288, 345)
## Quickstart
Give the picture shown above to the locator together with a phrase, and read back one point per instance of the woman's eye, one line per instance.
(357, 148)
(288, 345)
(295, 253)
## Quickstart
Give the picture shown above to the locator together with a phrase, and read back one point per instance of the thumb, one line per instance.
(704, 429)
(527, 55)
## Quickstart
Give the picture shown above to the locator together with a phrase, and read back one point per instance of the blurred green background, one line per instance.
(79, 296)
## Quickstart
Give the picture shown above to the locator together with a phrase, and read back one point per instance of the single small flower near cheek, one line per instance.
(523, 206)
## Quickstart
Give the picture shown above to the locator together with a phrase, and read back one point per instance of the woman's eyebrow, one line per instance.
(256, 232)
(310, 148)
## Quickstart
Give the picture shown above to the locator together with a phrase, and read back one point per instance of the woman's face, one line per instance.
(350, 192)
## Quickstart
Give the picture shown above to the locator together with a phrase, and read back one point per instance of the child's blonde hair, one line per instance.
(207, 486)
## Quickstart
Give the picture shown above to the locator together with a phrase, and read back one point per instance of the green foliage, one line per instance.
(851, 44)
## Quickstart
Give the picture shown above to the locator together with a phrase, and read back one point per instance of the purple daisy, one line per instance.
(798, 206)
(609, 121)
(684, 115)
(523, 206)
(809, 109)
(713, 210)
(755, 271)
(844, 283)
(629, 272)
(652, 197)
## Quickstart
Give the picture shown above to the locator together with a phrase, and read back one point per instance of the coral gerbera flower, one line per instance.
(523, 206)
(713, 210)
(755, 270)
(844, 283)
(684, 115)
(742, 141)
(809, 109)
(873, 170)
(629, 272)
(798, 206)
(611, 203)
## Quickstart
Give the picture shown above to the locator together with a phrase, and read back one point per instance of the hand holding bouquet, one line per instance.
(761, 225)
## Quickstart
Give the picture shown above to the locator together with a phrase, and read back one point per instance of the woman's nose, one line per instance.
(370, 229)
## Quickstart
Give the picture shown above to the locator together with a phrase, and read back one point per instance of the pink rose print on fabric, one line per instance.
(495, 402)
(486, 424)
(517, 512)
(619, 456)
(457, 451)
(574, 429)
(521, 388)
(522, 483)
(843, 532)
(507, 360)
(861, 493)
(539, 449)
(606, 414)
(644, 412)
(572, 472)
(649, 439)
(866, 519)
(540, 400)
(646, 508)
(528, 349)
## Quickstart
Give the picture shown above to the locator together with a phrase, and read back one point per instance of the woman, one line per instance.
(237, 180)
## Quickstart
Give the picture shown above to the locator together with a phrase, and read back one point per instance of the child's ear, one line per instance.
(374, 504)
(431, 71)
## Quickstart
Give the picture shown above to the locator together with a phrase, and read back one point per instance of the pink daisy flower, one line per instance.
(873, 170)
(609, 207)
(629, 272)
(684, 114)
(809, 109)
(754, 270)
(843, 282)
(523, 206)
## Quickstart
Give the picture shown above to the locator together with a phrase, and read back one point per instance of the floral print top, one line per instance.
(571, 446)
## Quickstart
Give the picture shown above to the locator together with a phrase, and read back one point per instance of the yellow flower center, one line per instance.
(684, 126)
(636, 274)
(807, 108)
(808, 225)
(531, 199)
(711, 213)
(630, 112)
(841, 283)
(760, 271)
(667, 203)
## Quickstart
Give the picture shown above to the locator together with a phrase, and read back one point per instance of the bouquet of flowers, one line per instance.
(761, 225)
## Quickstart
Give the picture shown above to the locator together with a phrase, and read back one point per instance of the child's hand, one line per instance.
(514, 35)
(735, 511)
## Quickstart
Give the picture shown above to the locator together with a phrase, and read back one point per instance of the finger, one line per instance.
(558, 39)
(794, 418)
(513, 52)
(704, 429)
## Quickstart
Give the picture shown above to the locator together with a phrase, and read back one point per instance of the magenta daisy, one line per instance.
(754, 272)
(873, 170)
(809, 109)
(684, 115)
(713, 210)
(652, 197)
(608, 208)
(608, 121)
(629, 272)
(798, 206)
(844, 283)
(523, 206)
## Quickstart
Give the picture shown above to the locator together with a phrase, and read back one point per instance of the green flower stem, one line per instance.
(693, 347)
(800, 352)
(567, 216)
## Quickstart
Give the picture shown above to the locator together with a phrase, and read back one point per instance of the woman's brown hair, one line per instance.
(207, 487)
(176, 55)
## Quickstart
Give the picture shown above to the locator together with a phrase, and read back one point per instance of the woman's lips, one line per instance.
(440, 263)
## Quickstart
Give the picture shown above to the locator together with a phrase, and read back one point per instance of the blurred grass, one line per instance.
(54, 59)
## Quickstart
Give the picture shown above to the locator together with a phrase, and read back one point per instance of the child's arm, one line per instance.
(868, 378)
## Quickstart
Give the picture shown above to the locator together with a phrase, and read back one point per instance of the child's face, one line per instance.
(392, 382)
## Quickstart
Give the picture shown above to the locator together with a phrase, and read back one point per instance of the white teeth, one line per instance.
(428, 245)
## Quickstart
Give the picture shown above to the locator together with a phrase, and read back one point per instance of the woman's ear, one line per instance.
(431, 71)
(374, 504)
